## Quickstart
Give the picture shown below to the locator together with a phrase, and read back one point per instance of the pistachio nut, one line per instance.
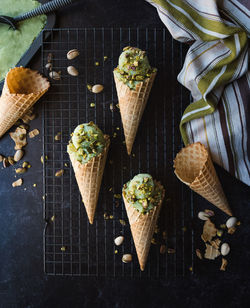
(18, 182)
(21, 170)
(231, 222)
(126, 258)
(225, 249)
(18, 155)
(11, 160)
(54, 75)
(97, 88)
(203, 216)
(119, 240)
(72, 54)
(59, 173)
(48, 66)
(72, 71)
(5, 162)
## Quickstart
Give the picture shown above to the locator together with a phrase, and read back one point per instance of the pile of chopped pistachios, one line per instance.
(19, 136)
(213, 237)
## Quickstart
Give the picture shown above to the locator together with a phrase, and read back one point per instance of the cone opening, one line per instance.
(190, 161)
(22, 80)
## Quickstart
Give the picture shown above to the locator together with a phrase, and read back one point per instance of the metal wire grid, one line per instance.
(89, 249)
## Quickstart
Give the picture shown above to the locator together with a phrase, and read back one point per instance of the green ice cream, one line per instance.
(13, 44)
(133, 67)
(142, 192)
(87, 141)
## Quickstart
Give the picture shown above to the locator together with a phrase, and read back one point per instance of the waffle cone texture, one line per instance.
(194, 167)
(22, 88)
(89, 179)
(132, 104)
(142, 228)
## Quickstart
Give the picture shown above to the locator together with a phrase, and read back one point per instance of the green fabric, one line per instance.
(13, 44)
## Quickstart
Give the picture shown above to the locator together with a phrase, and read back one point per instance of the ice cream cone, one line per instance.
(89, 178)
(142, 228)
(194, 167)
(132, 104)
(22, 88)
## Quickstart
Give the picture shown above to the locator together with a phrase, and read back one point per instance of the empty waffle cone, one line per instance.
(142, 228)
(194, 167)
(132, 104)
(89, 178)
(22, 88)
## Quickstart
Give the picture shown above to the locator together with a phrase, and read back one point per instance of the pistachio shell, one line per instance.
(18, 155)
(119, 240)
(72, 54)
(72, 71)
(97, 88)
(225, 249)
(54, 75)
(231, 222)
(126, 258)
(203, 216)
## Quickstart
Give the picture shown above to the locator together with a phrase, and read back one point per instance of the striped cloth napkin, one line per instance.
(216, 72)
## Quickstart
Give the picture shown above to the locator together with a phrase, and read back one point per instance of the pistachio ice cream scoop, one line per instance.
(142, 192)
(133, 67)
(87, 141)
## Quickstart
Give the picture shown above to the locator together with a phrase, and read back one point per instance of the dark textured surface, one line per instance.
(22, 282)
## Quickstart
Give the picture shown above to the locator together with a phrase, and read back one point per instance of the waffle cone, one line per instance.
(132, 104)
(22, 88)
(89, 178)
(194, 167)
(142, 228)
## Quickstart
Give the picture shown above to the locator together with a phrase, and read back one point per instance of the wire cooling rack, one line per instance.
(71, 245)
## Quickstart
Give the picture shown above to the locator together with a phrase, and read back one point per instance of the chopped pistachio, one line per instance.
(34, 133)
(25, 164)
(153, 241)
(97, 63)
(105, 216)
(63, 248)
(29, 166)
(111, 216)
(59, 173)
(21, 170)
(219, 233)
(190, 268)
(116, 251)
(58, 136)
(117, 105)
(117, 196)
(65, 164)
(18, 182)
(105, 58)
(111, 107)
(52, 218)
(110, 189)
(89, 87)
(34, 185)
(92, 105)
(122, 222)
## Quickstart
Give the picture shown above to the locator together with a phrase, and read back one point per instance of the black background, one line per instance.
(22, 282)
